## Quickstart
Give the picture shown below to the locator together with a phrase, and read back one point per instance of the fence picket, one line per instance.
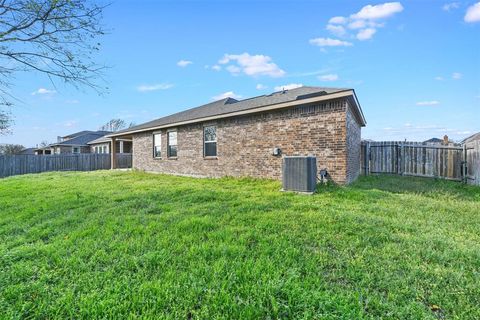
(414, 159)
(22, 164)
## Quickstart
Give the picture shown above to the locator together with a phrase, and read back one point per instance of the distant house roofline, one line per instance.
(80, 140)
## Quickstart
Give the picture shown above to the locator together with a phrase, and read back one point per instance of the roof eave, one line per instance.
(331, 96)
(363, 121)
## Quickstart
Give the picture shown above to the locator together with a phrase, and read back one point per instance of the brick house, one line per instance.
(237, 138)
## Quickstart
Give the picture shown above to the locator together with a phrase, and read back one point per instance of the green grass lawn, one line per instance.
(129, 244)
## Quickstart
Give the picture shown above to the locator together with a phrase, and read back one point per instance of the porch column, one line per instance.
(113, 153)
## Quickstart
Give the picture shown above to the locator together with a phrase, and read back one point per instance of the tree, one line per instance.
(5, 120)
(57, 38)
(114, 125)
(44, 144)
(11, 149)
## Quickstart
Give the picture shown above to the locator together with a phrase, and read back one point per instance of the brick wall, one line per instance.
(354, 141)
(245, 144)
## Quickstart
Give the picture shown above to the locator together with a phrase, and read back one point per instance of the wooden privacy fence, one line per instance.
(473, 162)
(11, 165)
(415, 159)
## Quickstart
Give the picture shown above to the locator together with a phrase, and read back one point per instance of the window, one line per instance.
(75, 150)
(157, 145)
(210, 141)
(172, 144)
(104, 149)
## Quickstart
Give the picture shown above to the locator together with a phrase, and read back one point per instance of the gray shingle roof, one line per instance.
(83, 139)
(230, 105)
(27, 151)
(473, 137)
(81, 133)
(100, 140)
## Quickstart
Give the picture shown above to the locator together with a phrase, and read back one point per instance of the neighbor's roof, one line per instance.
(104, 139)
(227, 106)
(82, 140)
(433, 140)
(100, 140)
(28, 151)
(475, 136)
(76, 134)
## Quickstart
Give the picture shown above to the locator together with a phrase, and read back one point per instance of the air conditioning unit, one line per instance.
(299, 174)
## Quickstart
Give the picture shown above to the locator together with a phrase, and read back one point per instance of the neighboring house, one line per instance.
(239, 138)
(472, 138)
(433, 141)
(28, 151)
(73, 143)
(439, 142)
(103, 145)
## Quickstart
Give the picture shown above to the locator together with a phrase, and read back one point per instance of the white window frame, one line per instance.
(73, 150)
(210, 141)
(168, 144)
(157, 144)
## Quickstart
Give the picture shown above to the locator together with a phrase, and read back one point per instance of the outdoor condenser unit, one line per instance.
(299, 174)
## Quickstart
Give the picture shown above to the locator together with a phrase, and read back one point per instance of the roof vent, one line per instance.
(311, 95)
(230, 101)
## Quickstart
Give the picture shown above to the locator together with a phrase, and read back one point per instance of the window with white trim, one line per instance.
(172, 144)
(75, 150)
(210, 141)
(157, 145)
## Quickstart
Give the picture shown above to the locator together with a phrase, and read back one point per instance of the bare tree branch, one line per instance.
(57, 38)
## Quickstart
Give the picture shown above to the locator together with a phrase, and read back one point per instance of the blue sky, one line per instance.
(415, 65)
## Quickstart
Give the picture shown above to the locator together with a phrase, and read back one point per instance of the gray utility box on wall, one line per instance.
(299, 174)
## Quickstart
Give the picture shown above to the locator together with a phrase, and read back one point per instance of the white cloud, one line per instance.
(289, 86)
(328, 77)
(261, 87)
(450, 6)
(336, 30)
(379, 11)
(184, 63)
(228, 94)
(457, 76)
(428, 103)
(367, 19)
(70, 123)
(154, 87)
(217, 67)
(357, 24)
(473, 13)
(43, 91)
(252, 65)
(366, 34)
(439, 78)
(73, 101)
(338, 20)
(328, 42)
(233, 69)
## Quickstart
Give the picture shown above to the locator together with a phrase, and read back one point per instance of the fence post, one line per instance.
(464, 164)
(402, 159)
(367, 159)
